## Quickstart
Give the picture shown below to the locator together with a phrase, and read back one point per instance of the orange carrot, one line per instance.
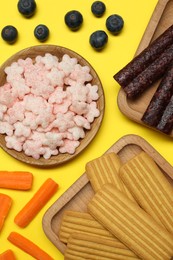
(7, 255)
(36, 203)
(5, 205)
(28, 246)
(16, 180)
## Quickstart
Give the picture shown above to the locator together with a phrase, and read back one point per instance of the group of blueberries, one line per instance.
(99, 38)
(27, 8)
(73, 19)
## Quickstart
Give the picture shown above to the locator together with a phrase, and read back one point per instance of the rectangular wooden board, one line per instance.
(79, 194)
(159, 22)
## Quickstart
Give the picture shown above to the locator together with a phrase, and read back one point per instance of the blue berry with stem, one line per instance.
(114, 23)
(9, 34)
(27, 7)
(98, 8)
(73, 19)
(41, 32)
(98, 39)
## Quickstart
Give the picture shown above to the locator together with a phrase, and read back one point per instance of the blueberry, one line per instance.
(98, 8)
(26, 7)
(114, 23)
(9, 34)
(98, 39)
(41, 32)
(73, 19)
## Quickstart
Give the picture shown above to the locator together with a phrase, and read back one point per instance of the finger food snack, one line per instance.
(165, 124)
(148, 55)
(84, 246)
(104, 169)
(151, 74)
(150, 188)
(81, 222)
(160, 99)
(147, 80)
(131, 224)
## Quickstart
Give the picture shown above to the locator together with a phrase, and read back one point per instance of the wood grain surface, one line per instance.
(159, 22)
(79, 194)
(58, 51)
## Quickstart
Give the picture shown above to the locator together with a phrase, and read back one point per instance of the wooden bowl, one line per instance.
(59, 51)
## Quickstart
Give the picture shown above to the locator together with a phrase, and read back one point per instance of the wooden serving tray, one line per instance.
(59, 51)
(159, 22)
(78, 195)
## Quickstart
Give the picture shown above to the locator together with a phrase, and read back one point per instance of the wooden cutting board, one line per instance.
(78, 195)
(161, 19)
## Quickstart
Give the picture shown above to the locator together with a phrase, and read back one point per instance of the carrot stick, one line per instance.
(5, 205)
(36, 203)
(28, 246)
(16, 180)
(7, 255)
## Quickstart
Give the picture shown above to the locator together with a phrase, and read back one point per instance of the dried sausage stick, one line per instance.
(142, 60)
(151, 74)
(166, 123)
(160, 99)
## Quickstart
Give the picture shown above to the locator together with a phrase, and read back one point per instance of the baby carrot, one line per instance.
(5, 205)
(36, 203)
(28, 246)
(7, 255)
(16, 180)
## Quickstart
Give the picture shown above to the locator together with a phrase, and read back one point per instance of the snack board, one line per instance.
(159, 22)
(80, 193)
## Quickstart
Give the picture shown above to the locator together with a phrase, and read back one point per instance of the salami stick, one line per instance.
(160, 99)
(166, 123)
(148, 55)
(150, 75)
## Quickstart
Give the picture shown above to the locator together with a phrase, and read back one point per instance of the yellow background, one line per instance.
(120, 49)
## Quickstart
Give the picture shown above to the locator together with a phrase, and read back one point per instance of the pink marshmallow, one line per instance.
(20, 87)
(30, 120)
(14, 71)
(92, 93)
(79, 108)
(34, 104)
(21, 130)
(25, 63)
(64, 121)
(33, 148)
(45, 118)
(62, 108)
(14, 142)
(53, 140)
(82, 122)
(6, 128)
(77, 132)
(57, 96)
(81, 74)
(49, 152)
(78, 92)
(16, 112)
(48, 60)
(7, 95)
(69, 146)
(3, 109)
(93, 112)
(56, 77)
(67, 64)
